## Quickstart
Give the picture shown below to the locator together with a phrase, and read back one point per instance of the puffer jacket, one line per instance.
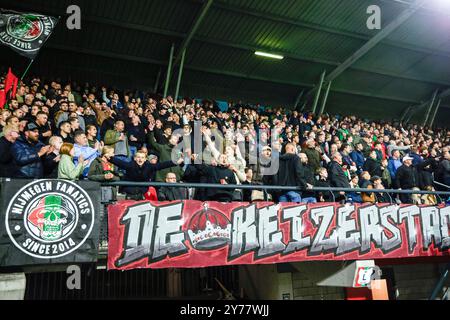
(27, 160)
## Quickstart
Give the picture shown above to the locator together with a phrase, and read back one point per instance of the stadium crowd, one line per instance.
(58, 130)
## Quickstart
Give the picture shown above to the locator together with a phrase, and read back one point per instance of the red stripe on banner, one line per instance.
(188, 234)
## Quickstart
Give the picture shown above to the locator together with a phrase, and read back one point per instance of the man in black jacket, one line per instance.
(290, 173)
(139, 170)
(307, 196)
(323, 196)
(443, 171)
(337, 176)
(406, 178)
(215, 174)
(7, 167)
(172, 193)
(372, 165)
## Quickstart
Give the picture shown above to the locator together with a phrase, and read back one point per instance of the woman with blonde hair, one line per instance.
(101, 169)
(66, 168)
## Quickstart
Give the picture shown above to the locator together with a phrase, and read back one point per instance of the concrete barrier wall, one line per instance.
(12, 286)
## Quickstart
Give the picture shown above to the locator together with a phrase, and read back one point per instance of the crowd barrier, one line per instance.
(60, 222)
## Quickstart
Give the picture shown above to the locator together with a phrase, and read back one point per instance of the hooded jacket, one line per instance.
(25, 155)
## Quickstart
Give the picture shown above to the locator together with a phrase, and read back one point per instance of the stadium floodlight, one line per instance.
(269, 55)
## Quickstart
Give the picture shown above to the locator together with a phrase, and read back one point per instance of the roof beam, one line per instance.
(444, 94)
(385, 32)
(425, 9)
(203, 11)
(393, 25)
(316, 27)
(299, 57)
(222, 72)
(262, 15)
(295, 56)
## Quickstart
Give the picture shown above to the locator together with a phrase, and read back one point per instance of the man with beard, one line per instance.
(27, 152)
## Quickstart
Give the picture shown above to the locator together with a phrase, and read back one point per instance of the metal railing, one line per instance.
(332, 190)
(441, 185)
(440, 285)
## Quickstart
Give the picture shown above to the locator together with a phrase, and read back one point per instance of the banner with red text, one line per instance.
(187, 234)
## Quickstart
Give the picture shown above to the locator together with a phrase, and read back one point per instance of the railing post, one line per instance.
(325, 98)
(169, 70)
(429, 108)
(435, 112)
(319, 89)
(155, 87)
(180, 73)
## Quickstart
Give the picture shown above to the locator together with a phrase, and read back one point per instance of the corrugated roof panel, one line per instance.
(217, 57)
(289, 70)
(268, 35)
(445, 46)
(250, 32)
(348, 15)
(389, 59)
(362, 81)
(196, 84)
(372, 108)
(117, 40)
(423, 30)
(435, 66)
(409, 89)
(104, 71)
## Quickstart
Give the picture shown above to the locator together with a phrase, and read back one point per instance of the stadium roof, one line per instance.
(374, 73)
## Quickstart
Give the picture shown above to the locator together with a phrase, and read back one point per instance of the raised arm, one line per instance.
(153, 143)
(111, 137)
(121, 163)
(212, 147)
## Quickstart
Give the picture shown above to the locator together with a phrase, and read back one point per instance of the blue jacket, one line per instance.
(393, 165)
(27, 160)
(88, 154)
(358, 158)
(417, 159)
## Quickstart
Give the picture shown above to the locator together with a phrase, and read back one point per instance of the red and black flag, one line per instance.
(25, 33)
(9, 89)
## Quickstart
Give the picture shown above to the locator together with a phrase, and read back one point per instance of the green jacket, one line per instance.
(96, 172)
(386, 178)
(313, 158)
(165, 154)
(67, 170)
(112, 137)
